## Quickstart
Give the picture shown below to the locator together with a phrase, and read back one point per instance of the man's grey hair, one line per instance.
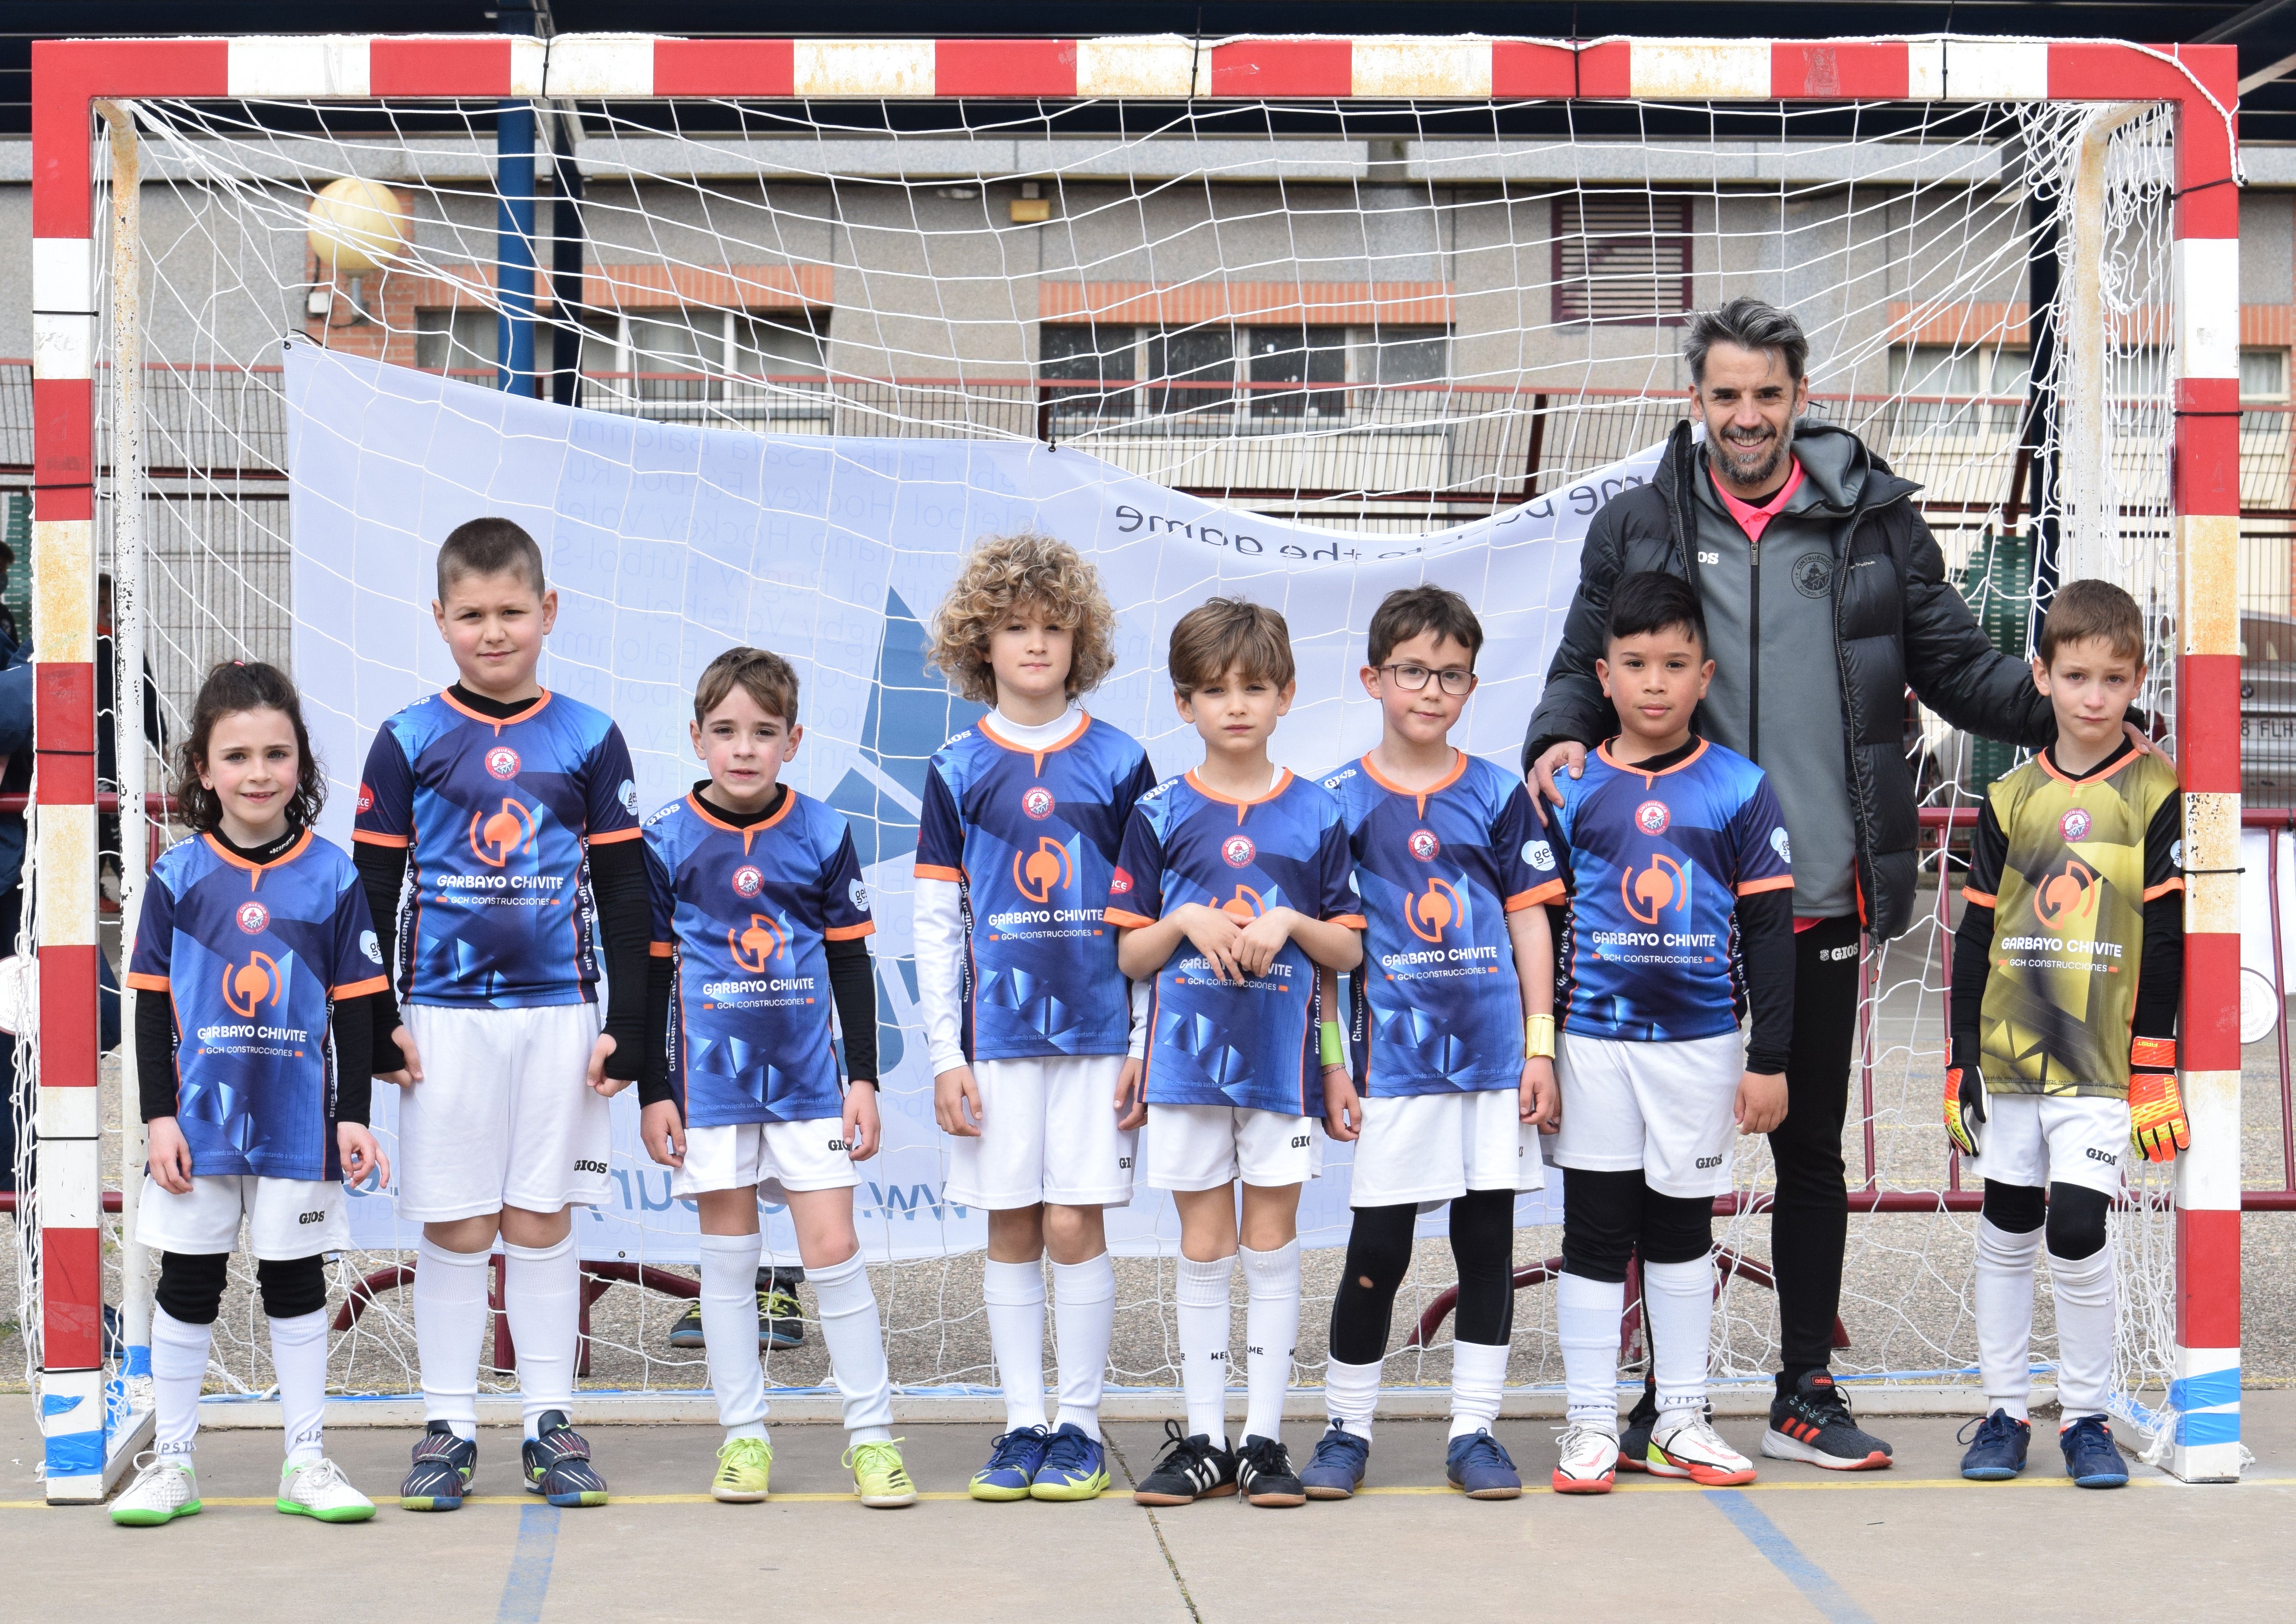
(1749, 324)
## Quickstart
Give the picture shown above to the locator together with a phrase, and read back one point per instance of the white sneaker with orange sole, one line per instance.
(1683, 1446)
(1589, 1463)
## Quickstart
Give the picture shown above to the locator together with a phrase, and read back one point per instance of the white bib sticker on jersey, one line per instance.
(370, 945)
(1780, 844)
(1539, 855)
(629, 797)
(859, 892)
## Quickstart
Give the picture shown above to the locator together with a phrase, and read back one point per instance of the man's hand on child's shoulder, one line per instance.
(1761, 1103)
(955, 1095)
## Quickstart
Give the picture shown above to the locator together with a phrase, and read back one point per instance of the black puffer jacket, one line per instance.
(1893, 627)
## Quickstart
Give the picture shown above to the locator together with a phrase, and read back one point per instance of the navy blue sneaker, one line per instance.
(1336, 1469)
(441, 1474)
(557, 1462)
(1477, 1464)
(1075, 1467)
(1013, 1458)
(1633, 1441)
(2092, 1460)
(1997, 1453)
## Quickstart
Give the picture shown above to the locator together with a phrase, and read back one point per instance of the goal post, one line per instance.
(86, 453)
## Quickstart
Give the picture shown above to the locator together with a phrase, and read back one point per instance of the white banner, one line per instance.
(668, 544)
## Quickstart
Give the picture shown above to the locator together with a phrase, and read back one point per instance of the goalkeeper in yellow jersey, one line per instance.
(2066, 971)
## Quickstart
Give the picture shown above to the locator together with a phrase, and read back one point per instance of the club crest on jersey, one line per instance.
(1664, 884)
(1429, 912)
(1238, 850)
(502, 761)
(247, 988)
(1652, 817)
(1045, 870)
(495, 836)
(1424, 845)
(2067, 896)
(758, 944)
(2074, 824)
(365, 798)
(252, 917)
(1037, 801)
(747, 881)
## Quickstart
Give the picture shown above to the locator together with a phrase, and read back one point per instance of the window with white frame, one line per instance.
(2263, 375)
(1268, 373)
(778, 356)
(1959, 389)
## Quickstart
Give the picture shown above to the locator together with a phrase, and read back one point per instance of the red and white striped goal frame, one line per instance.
(2200, 81)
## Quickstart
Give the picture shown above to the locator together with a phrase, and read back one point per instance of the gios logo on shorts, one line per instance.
(1705, 1162)
(310, 1217)
(584, 1164)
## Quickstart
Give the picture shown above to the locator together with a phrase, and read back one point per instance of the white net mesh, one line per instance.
(1375, 322)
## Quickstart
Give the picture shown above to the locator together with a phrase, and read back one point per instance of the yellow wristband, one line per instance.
(1538, 1037)
(1334, 1053)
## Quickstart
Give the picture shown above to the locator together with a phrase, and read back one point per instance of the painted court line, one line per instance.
(529, 1579)
(1814, 1583)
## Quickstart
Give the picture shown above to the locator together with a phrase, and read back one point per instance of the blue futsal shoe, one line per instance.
(1997, 1453)
(1479, 1466)
(557, 1463)
(1336, 1469)
(441, 1474)
(2091, 1458)
(1013, 1458)
(1075, 1467)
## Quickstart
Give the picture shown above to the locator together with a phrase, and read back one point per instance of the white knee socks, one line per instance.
(2084, 1292)
(298, 1355)
(1678, 1299)
(856, 1348)
(542, 1298)
(729, 1331)
(1014, 1296)
(1351, 1394)
(2003, 1294)
(450, 1316)
(179, 1366)
(1271, 1332)
(1201, 1306)
(1478, 1377)
(1587, 1323)
(1084, 1320)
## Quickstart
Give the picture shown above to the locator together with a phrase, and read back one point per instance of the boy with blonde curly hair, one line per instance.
(1028, 1019)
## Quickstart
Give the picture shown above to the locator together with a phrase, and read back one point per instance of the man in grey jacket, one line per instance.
(1825, 598)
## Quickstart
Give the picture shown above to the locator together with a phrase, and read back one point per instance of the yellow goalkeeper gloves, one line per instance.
(1964, 1107)
(2156, 1105)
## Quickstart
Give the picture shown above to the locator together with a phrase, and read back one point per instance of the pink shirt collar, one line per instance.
(1754, 520)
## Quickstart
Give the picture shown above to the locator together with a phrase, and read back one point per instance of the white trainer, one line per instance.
(164, 1489)
(318, 1489)
(1589, 1463)
(1684, 1446)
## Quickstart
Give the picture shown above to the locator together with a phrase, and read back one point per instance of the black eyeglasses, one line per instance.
(1411, 679)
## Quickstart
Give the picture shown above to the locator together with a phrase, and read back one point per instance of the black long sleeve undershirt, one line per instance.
(383, 875)
(1766, 956)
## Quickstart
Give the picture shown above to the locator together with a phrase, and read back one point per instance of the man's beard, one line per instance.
(1739, 473)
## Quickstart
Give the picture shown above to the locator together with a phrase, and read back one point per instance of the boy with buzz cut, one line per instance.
(760, 921)
(2073, 943)
(1028, 1019)
(1233, 893)
(507, 816)
(1453, 1035)
(1679, 922)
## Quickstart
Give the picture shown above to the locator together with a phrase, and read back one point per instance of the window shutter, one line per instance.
(1622, 259)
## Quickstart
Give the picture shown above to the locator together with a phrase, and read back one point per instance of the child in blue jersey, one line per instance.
(1232, 891)
(759, 916)
(497, 837)
(254, 944)
(1028, 1019)
(1680, 921)
(1453, 1035)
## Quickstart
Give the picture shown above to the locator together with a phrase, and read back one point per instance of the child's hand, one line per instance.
(1540, 1097)
(1343, 1106)
(663, 1133)
(956, 1093)
(167, 1156)
(1258, 942)
(361, 1155)
(1214, 931)
(1132, 1095)
(862, 1132)
(411, 1073)
(1761, 1103)
(606, 1086)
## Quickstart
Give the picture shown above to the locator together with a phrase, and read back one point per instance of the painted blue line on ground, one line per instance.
(1814, 1583)
(530, 1566)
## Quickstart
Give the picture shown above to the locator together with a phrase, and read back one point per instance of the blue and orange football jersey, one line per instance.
(746, 911)
(1212, 1042)
(1032, 837)
(497, 817)
(253, 956)
(1438, 1005)
(1655, 863)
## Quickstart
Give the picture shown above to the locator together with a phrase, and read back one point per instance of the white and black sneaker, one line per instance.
(1193, 1468)
(1264, 1474)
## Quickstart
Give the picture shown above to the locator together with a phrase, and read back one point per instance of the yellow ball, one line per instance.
(358, 226)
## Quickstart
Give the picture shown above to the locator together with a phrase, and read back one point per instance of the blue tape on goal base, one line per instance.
(75, 1454)
(2206, 1392)
(2209, 1427)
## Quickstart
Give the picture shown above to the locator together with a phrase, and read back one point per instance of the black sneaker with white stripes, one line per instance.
(1193, 1468)
(1264, 1474)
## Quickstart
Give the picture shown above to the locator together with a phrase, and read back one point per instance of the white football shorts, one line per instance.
(504, 1115)
(286, 1217)
(2039, 1139)
(1201, 1147)
(778, 1157)
(1669, 1109)
(1048, 1133)
(1436, 1147)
